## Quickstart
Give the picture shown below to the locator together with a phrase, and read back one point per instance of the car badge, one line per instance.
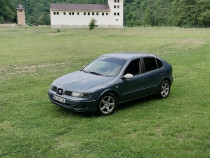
(60, 91)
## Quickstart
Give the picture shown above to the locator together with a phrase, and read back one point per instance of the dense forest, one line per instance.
(136, 12)
(7, 11)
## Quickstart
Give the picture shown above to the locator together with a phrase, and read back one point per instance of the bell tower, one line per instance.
(116, 9)
(21, 15)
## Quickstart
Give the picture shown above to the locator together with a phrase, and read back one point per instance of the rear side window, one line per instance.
(150, 64)
(159, 63)
(133, 67)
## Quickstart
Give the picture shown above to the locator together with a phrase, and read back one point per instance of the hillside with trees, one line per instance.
(189, 13)
(7, 11)
(167, 12)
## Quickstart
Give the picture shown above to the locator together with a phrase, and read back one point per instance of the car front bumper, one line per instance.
(74, 104)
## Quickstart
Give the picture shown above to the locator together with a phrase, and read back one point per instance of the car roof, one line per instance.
(128, 55)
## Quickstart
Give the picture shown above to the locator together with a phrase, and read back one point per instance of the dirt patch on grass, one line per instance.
(158, 129)
(6, 125)
(2, 69)
(32, 68)
(191, 43)
(9, 71)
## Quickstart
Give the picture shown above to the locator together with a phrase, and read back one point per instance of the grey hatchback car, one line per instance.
(110, 80)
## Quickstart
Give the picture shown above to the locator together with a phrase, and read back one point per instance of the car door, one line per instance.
(132, 88)
(153, 74)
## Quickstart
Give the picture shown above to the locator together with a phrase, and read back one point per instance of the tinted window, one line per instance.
(133, 67)
(160, 64)
(150, 64)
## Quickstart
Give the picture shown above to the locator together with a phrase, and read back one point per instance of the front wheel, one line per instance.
(107, 104)
(164, 89)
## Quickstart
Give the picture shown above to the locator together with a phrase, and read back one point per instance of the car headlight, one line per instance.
(51, 87)
(80, 95)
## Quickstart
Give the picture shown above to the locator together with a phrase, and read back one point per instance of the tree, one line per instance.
(204, 12)
(205, 18)
(7, 11)
(92, 24)
(44, 19)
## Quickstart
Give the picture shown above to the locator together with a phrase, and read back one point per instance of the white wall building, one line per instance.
(79, 15)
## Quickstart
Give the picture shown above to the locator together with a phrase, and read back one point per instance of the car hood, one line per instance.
(80, 81)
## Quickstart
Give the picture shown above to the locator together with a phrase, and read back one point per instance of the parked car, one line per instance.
(110, 80)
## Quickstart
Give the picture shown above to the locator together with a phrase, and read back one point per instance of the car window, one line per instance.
(106, 66)
(159, 63)
(150, 64)
(133, 68)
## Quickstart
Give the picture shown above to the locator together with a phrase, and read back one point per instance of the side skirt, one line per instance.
(137, 98)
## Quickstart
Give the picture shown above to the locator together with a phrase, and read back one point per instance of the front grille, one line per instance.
(60, 91)
(54, 88)
(69, 93)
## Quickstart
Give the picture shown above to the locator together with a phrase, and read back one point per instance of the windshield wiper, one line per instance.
(83, 71)
(95, 73)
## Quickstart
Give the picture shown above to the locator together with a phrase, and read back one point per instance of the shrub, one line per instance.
(92, 24)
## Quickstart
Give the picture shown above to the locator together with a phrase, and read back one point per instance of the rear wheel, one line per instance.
(107, 104)
(164, 89)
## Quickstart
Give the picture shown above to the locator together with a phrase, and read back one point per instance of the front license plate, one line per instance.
(62, 100)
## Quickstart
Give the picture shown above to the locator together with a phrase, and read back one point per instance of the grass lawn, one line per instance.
(30, 126)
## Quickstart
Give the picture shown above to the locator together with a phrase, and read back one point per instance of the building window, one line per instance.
(88, 13)
(118, 6)
(97, 13)
(84, 13)
(118, 14)
(69, 13)
(77, 13)
(114, 6)
(114, 14)
(57, 13)
(102, 14)
(116, 19)
(115, 1)
(64, 13)
(118, 1)
(92, 13)
(106, 13)
(54, 13)
(72, 13)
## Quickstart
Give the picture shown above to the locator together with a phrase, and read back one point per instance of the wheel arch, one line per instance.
(109, 91)
(167, 79)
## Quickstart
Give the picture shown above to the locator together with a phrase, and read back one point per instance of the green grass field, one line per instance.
(31, 126)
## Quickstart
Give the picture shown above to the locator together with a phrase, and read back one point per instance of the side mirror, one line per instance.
(128, 76)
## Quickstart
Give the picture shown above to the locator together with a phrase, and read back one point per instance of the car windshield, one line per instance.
(105, 66)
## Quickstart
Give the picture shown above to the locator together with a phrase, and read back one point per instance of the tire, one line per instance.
(107, 104)
(164, 89)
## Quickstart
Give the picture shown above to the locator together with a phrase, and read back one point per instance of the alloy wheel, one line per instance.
(165, 89)
(107, 104)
